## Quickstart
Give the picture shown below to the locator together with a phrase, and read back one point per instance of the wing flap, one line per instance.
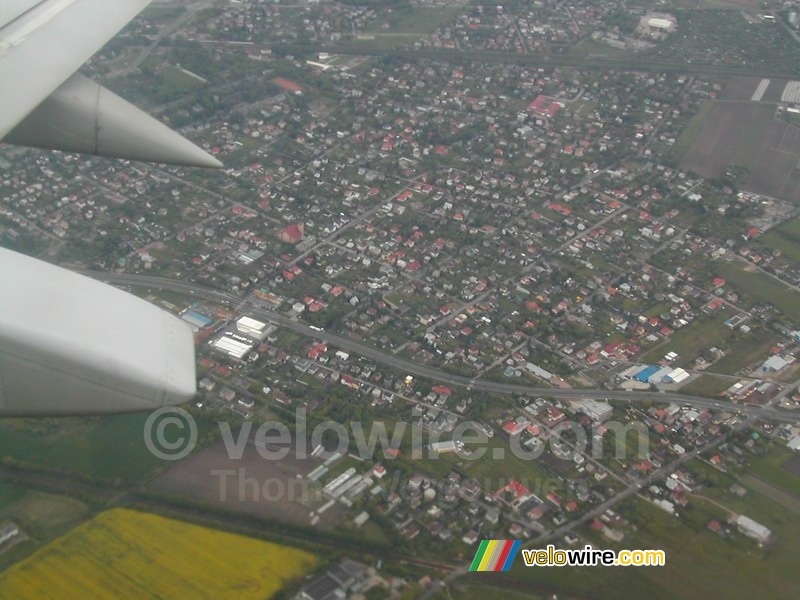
(12, 9)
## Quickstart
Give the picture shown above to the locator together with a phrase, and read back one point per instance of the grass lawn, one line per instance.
(582, 107)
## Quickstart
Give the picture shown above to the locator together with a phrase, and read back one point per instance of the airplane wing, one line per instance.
(70, 345)
(46, 104)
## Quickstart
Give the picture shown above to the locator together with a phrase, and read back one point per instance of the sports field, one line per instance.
(124, 553)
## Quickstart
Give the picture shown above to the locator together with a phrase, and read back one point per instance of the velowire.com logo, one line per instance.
(495, 555)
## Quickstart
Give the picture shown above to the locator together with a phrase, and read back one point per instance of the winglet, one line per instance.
(83, 116)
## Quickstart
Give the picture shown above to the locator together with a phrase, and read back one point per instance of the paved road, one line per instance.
(163, 34)
(421, 370)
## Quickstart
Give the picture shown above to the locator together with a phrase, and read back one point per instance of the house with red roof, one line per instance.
(292, 234)
(514, 428)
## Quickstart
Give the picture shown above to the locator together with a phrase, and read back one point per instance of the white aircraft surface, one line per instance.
(70, 345)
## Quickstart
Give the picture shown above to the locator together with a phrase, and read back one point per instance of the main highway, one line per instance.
(254, 308)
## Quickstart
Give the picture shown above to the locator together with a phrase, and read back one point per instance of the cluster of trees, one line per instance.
(622, 20)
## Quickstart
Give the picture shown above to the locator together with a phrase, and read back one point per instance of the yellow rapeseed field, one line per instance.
(124, 553)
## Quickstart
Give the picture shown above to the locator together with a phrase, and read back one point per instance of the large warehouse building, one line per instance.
(235, 347)
(253, 328)
(196, 320)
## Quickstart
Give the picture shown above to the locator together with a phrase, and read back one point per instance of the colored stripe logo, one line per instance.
(495, 555)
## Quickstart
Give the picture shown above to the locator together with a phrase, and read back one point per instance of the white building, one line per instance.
(663, 23)
(252, 328)
(595, 410)
(235, 348)
(774, 364)
(442, 447)
(753, 530)
(677, 376)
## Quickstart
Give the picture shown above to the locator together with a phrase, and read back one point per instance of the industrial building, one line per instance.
(774, 364)
(196, 320)
(343, 580)
(253, 328)
(234, 346)
(595, 410)
(659, 21)
(656, 374)
(677, 376)
(645, 374)
(443, 447)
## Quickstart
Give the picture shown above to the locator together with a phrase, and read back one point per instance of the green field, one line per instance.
(777, 240)
(791, 228)
(44, 515)
(493, 473)
(760, 287)
(692, 130)
(412, 20)
(699, 563)
(40, 516)
(371, 43)
(786, 238)
(107, 448)
(690, 341)
(770, 467)
(745, 349)
(176, 80)
(707, 385)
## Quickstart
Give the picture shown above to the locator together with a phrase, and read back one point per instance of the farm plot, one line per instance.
(129, 554)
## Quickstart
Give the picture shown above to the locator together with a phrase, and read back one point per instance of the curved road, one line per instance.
(420, 370)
